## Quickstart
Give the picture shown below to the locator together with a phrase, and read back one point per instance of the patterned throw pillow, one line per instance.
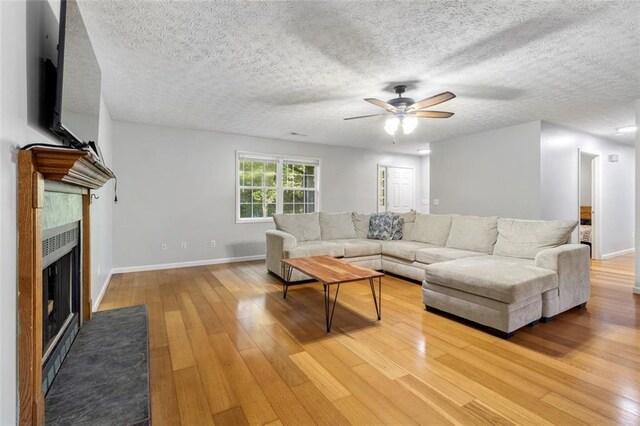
(398, 227)
(380, 226)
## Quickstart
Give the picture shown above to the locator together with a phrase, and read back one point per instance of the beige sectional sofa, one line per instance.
(499, 272)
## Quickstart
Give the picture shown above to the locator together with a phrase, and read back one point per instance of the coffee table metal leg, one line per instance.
(287, 279)
(328, 309)
(377, 301)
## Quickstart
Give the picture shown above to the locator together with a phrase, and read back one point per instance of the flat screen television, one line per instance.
(76, 98)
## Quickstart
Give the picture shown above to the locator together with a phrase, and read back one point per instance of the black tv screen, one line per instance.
(77, 101)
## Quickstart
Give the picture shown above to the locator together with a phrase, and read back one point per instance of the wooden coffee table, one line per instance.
(330, 271)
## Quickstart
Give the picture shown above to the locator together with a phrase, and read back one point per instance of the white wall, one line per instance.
(422, 203)
(23, 26)
(102, 216)
(585, 180)
(179, 185)
(637, 286)
(559, 182)
(496, 172)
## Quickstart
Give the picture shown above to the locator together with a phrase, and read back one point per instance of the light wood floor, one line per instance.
(225, 348)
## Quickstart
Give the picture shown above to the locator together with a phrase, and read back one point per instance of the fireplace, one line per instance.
(61, 277)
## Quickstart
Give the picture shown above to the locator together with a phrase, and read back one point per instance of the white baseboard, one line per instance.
(98, 299)
(617, 253)
(160, 266)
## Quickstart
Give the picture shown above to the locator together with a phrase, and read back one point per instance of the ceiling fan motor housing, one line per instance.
(401, 102)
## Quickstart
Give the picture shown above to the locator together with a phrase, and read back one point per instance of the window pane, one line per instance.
(298, 196)
(245, 210)
(271, 209)
(270, 179)
(258, 173)
(287, 208)
(309, 181)
(297, 181)
(256, 196)
(309, 208)
(270, 196)
(271, 167)
(310, 196)
(299, 208)
(258, 211)
(309, 170)
(288, 196)
(245, 195)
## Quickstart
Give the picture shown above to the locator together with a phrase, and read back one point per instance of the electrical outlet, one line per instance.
(163, 246)
(213, 243)
(183, 245)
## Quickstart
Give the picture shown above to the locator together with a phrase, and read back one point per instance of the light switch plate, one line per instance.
(436, 202)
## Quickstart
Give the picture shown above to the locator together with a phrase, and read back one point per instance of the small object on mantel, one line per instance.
(74, 166)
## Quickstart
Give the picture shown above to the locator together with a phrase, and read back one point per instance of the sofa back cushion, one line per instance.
(431, 228)
(525, 238)
(337, 226)
(473, 233)
(361, 223)
(303, 226)
(406, 228)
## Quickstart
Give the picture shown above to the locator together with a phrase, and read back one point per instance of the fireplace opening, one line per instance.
(61, 274)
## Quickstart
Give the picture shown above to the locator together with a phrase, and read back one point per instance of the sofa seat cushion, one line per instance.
(496, 278)
(443, 254)
(403, 249)
(357, 248)
(315, 248)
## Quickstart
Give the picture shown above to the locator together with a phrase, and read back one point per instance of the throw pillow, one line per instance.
(380, 226)
(473, 233)
(398, 227)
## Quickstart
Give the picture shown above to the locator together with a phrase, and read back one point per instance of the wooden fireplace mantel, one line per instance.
(75, 167)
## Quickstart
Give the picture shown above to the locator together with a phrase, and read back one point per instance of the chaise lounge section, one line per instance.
(499, 272)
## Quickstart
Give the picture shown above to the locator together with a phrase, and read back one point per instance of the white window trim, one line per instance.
(280, 159)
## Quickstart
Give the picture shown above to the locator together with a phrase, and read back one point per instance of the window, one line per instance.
(271, 184)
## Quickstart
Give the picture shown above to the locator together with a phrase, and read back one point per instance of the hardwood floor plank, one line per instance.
(193, 405)
(321, 409)
(322, 378)
(181, 353)
(164, 400)
(232, 417)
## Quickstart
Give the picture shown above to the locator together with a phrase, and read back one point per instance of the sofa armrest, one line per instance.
(572, 264)
(277, 243)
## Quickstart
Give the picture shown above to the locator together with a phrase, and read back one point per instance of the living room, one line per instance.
(191, 91)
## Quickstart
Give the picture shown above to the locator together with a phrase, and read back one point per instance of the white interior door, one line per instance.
(400, 189)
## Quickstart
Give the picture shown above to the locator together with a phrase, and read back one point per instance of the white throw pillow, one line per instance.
(361, 223)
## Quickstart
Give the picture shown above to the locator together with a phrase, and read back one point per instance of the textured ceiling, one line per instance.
(269, 68)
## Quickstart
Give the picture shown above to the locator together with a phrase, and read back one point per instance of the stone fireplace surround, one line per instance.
(65, 197)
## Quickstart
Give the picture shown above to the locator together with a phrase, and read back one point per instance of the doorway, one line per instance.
(396, 189)
(589, 202)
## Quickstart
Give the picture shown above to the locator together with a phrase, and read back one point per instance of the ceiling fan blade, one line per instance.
(382, 104)
(433, 100)
(364, 116)
(432, 114)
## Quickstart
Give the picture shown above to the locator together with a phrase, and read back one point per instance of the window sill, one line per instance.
(256, 220)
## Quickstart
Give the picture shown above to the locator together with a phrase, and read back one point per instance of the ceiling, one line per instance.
(270, 68)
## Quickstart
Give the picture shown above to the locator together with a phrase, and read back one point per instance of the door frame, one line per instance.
(596, 200)
(386, 167)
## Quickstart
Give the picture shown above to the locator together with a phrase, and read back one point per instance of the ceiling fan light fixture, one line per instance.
(409, 124)
(391, 125)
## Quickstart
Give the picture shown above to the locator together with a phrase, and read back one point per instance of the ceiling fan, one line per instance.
(404, 112)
